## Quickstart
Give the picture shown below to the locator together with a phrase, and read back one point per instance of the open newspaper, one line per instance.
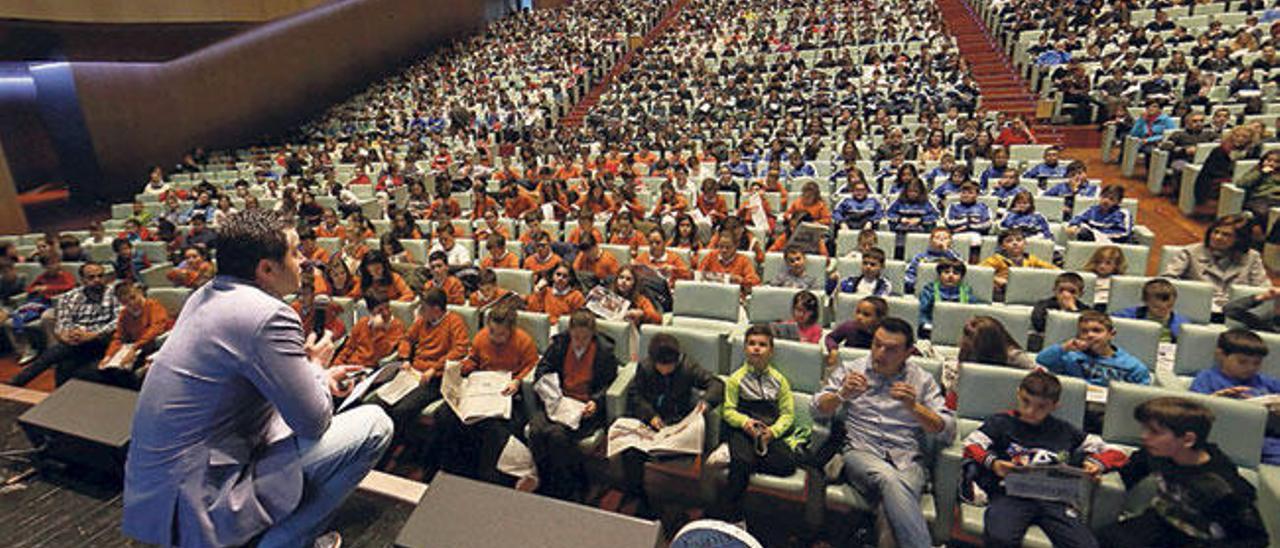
(1052, 482)
(398, 387)
(606, 304)
(477, 396)
(561, 409)
(122, 359)
(681, 438)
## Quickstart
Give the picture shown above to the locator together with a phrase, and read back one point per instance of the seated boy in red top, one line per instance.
(498, 256)
(437, 335)
(142, 321)
(441, 279)
(593, 260)
(473, 449)
(726, 260)
(488, 291)
(375, 336)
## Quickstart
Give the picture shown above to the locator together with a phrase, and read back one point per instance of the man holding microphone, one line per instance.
(234, 437)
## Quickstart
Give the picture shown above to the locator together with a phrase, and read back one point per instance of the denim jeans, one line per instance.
(898, 491)
(332, 466)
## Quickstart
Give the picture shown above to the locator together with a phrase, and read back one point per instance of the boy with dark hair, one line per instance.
(1067, 289)
(795, 274)
(1235, 374)
(759, 410)
(948, 287)
(1107, 221)
(1201, 500)
(129, 263)
(939, 248)
(375, 336)
(968, 215)
(1091, 356)
(1158, 299)
(1030, 434)
(870, 280)
(859, 210)
(661, 394)
(1012, 252)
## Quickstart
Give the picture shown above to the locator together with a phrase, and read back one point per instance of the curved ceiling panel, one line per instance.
(153, 11)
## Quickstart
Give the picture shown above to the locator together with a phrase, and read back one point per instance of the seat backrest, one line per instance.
(1167, 253)
(1031, 285)
(1141, 338)
(1238, 426)
(172, 298)
(774, 262)
(984, 390)
(706, 300)
(621, 253)
(710, 350)
(1078, 254)
(620, 332)
(770, 304)
(979, 278)
(404, 311)
(156, 252)
(1197, 343)
(949, 320)
(1042, 248)
(800, 362)
(1195, 299)
(519, 281)
(537, 325)
(470, 315)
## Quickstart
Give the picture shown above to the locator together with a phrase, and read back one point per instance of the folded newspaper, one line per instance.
(561, 409)
(477, 396)
(606, 304)
(681, 438)
(398, 387)
(1052, 482)
(122, 359)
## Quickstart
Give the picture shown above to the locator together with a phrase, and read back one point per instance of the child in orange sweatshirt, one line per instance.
(375, 336)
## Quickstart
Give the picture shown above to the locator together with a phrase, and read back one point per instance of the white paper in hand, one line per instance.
(566, 411)
(404, 382)
(478, 396)
(516, 459)
(684, 437)
(118, 360)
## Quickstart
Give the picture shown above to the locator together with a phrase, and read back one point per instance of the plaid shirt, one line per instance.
(76, 310)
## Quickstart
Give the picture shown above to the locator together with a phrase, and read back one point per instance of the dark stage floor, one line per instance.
(71, 508)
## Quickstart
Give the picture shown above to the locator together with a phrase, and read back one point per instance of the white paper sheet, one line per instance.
(684, 437)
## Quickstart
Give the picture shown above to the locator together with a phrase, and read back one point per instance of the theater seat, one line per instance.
(1031, 285)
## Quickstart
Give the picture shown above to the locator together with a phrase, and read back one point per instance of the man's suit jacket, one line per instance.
(214, 457)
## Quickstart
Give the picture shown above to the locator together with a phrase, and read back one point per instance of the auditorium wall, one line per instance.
(258, 82)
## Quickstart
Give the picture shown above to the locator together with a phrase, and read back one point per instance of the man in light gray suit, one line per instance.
(234, 435)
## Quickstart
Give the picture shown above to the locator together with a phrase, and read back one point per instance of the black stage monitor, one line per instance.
(83, 423)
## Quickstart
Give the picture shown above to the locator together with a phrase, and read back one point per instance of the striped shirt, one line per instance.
(77, 309)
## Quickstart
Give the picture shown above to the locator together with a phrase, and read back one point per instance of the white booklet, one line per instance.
(122, 359)
(561, 409)
(1054, 482)
(1269, 399)
(404, 382)
(478, 396)
(606, 304)
(681, 438)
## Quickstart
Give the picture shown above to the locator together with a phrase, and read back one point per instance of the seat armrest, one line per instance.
(1156, 170)
(1187, 188)
(1129, 156)
(1230, 200)
(1269, 500)
(615, 401)
(946, 486)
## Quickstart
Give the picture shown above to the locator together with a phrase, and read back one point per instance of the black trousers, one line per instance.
(1148, 529)
(555, 452)
(473, 450)
(68, 361)
(778, 460)
(1007, 519)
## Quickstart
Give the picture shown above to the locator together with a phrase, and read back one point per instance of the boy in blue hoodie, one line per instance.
(939, 248)
(859, 210)
(1050, 168)
(948, 287)
(1158, 298)
(968, 215)
(1105, 222)
(1235, 374)
(1091, 356)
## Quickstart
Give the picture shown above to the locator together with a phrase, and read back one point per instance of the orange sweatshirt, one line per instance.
(431, 345)
(332, 318)
(672, 264)
(518, 355)
(602, 267)
(139, 330)
(367, 345)
(739, 266)
(452, 288)
(397, 290)
(538, 266)
(508, 260)
(818, 211)
(554, 306)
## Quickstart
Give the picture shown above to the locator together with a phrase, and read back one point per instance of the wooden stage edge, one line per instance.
(377, 483)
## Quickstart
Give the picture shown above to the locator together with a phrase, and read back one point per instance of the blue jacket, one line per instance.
(1005, 194)
(1033, 223)
(850, 285)
(975, 217)
(1212, 380)
(741, 169)
(1053, 57)
(1117, 224)
(1094, 369)
(857, 213)
(935, 292)
(936, 173)
(947, 188)
(1087, 189)
(1140, 313)
(899, 210)
(928, 256)
(1162, 124)
(1045, 171)
(805, 170)
(993, 172)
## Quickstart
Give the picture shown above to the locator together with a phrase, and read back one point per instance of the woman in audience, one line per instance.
(1262, 192)
(667, 263)
(642, 310)
(912, 211)
(986, 341)
(556, 293)
(376, 274)
(338, 280)
(1106, 261)
(1224, 258)
(1240, 144)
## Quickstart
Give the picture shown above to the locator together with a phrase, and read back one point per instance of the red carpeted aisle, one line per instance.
(1002, 88)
